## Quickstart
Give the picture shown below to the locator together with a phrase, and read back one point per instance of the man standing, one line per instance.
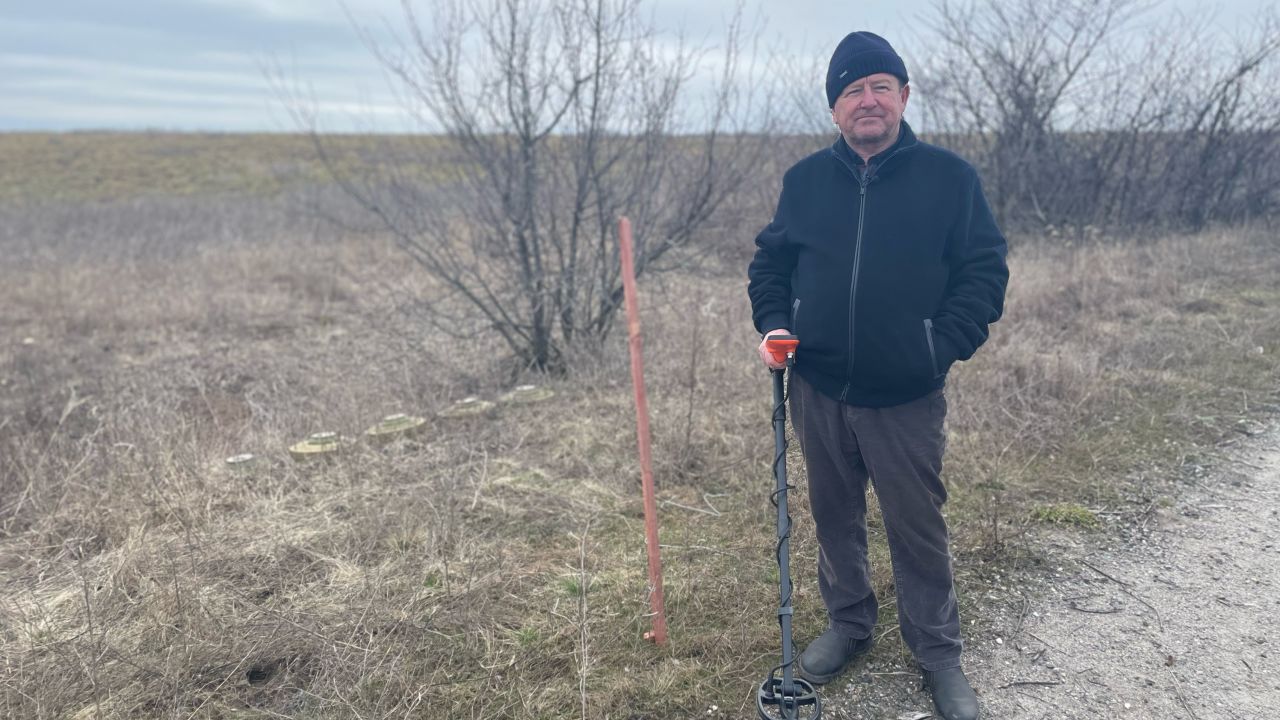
(884, 259)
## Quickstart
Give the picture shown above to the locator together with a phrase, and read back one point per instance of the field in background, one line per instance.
(120, 166)
(174, 312)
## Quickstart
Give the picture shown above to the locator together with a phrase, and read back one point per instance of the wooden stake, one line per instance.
(659, 633)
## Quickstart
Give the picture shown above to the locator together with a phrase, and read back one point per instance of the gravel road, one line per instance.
(1173, 619)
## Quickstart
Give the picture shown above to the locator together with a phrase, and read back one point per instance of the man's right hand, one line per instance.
(766, 356)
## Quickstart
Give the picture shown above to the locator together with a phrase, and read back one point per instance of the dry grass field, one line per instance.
(493, 566)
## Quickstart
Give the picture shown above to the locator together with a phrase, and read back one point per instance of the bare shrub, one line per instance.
(1073, 124)
(561, 116)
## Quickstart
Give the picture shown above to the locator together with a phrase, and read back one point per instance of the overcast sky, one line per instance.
(201, 64)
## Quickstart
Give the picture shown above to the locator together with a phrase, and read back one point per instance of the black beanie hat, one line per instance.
(858, 55)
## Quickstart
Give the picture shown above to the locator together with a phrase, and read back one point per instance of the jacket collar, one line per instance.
(880, 162)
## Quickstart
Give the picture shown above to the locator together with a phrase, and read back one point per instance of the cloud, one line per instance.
(308, 10)
(64, 63)
(193, 65)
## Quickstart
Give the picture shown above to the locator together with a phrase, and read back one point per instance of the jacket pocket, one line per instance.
(933, 353)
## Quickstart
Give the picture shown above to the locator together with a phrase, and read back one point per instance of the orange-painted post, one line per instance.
(659, 633)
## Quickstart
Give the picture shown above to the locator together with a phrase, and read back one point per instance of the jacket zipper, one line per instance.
(853, 281)
(928, 336)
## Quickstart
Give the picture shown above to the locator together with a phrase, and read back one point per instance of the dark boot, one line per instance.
(952, 696)
(829, 655)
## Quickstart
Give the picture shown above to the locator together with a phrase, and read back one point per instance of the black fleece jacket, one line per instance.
(887, 273)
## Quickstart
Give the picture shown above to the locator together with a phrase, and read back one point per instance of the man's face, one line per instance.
(867, 111)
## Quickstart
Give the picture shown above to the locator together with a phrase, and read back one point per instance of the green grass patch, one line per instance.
(1065, 514)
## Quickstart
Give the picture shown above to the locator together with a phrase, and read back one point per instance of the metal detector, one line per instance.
(782, 695)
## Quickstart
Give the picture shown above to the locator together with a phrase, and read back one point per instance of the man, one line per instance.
(884, 259)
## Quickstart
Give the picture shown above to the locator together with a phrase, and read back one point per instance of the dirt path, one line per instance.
(1177, 623)
(1175, 620)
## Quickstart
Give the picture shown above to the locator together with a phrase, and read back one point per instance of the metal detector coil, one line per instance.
(774, 701)
(782, 695)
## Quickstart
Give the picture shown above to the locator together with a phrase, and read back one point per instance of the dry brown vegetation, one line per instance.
(493, 567)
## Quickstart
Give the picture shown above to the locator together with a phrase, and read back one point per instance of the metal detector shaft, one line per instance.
(787, 697)
(784, 539)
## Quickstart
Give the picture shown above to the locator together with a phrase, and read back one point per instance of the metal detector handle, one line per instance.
(782, 348)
